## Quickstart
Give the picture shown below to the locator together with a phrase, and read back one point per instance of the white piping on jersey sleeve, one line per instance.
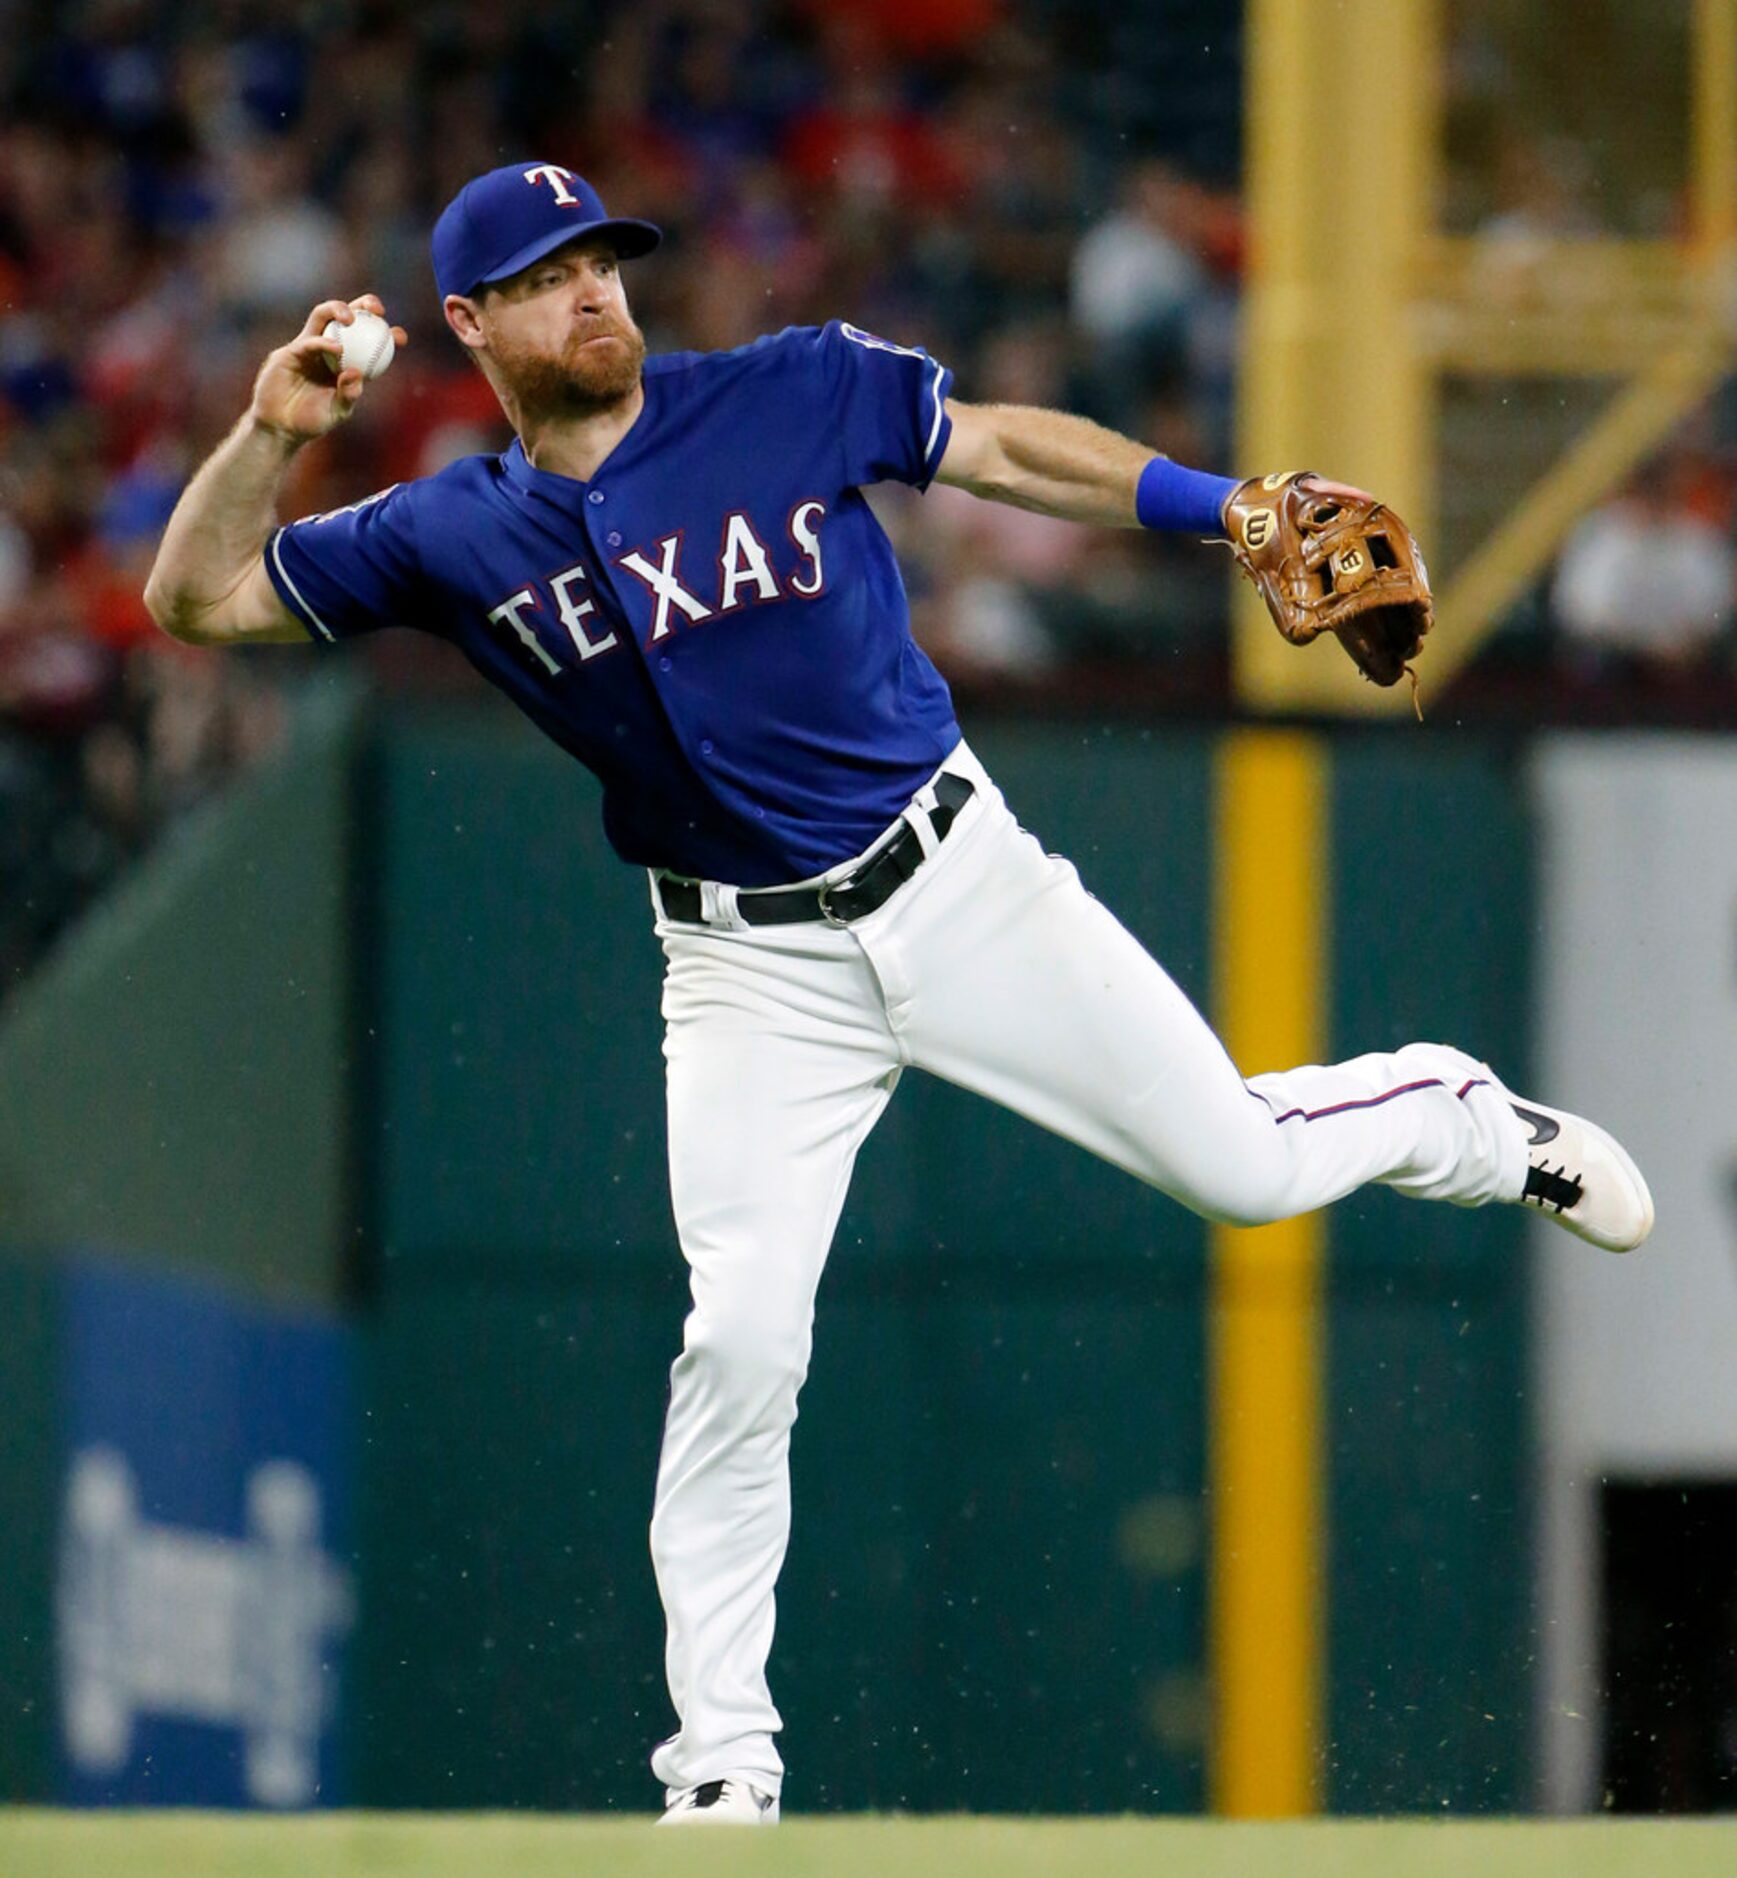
(934, 428)
(312, 618)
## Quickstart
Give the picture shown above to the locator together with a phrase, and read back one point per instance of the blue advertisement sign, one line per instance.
(204, 1590)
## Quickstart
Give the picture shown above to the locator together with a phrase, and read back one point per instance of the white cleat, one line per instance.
(1583, 1179)
(719, 1803)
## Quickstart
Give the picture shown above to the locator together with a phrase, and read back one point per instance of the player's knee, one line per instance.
(1247, 1181)
(1244, 1198)
(748, 1356)
(1251, 1188)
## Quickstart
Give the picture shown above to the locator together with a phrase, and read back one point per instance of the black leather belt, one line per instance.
(840, 901)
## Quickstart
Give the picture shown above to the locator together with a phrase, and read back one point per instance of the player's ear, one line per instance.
(463, 318)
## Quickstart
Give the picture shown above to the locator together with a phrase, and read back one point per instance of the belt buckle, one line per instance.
(827, 888)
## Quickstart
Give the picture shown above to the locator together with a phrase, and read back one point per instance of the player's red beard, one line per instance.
(581, 380)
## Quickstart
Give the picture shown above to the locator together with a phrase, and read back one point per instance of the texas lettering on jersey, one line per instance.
(744, 574)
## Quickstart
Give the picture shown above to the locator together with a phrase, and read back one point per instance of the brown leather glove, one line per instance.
(1328, 562)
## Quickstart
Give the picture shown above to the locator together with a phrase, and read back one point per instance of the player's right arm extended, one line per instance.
(208, 585)
(1069, 467)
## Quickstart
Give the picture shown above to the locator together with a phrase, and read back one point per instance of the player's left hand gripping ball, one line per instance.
(1328, 558)
(368, 343)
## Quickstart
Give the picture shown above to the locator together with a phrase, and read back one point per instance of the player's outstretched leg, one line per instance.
(780, 1062)
(1574, 1172)
(1024, 988)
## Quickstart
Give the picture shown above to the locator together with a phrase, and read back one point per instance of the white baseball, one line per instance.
(368, 343)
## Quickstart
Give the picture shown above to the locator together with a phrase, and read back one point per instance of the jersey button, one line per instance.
(705, 746)
(613, 539)
(663, 665)
(596, 495)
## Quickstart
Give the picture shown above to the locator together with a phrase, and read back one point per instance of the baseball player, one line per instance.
(674, 572)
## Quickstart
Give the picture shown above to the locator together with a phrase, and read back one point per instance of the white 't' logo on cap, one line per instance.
(557, 179)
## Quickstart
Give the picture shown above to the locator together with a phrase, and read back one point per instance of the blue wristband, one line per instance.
(1169, 496)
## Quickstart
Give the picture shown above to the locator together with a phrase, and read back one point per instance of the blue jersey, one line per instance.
(714, 623)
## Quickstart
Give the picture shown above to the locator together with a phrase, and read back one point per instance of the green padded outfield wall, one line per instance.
(1001, 1537)
(29, 1465)
(1426, 1430)
(172, 1091)
(173, 1078)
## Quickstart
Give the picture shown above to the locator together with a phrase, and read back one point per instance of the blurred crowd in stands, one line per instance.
(1041, 192)
(1646, 585)
(179, 182)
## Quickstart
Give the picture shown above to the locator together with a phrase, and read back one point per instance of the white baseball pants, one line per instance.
(994, 968)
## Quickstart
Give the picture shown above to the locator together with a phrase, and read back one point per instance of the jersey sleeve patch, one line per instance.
(352, 570)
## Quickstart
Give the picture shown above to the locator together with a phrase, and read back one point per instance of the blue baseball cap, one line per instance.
(513, 216)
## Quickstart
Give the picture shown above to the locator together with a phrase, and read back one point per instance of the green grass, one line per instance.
(43, 1844)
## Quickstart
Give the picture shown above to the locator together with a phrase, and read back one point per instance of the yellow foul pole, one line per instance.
(1340, 138)
(1268, 1529)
